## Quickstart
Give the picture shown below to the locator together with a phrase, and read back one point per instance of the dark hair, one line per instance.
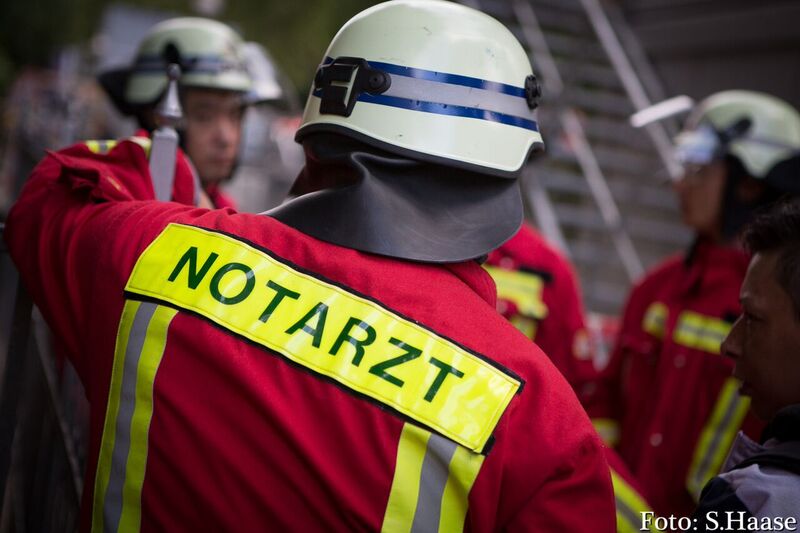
(778, 229)
(736, 212)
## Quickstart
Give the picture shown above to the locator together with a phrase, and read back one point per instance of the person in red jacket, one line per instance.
(538, 292)
(337, 365)
(679, 407)
(218, 83)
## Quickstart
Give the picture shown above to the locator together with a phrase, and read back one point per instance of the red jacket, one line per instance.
(219, 199)
(222, 401)
(538, 293)
(679, 407)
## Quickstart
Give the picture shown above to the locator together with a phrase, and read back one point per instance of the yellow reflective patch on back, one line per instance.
(328, 329)
(523, 289)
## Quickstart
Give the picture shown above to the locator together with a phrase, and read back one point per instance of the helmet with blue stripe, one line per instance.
(757, 128)
(420, 119)
(430, 79)
(211, 56)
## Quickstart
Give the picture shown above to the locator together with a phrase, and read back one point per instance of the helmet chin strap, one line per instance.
(391, 205)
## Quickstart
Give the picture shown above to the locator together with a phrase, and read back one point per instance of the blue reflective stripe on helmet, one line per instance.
(451, 110)
(443, 77)
(444, 94)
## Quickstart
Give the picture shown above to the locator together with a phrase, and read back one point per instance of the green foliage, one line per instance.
(295, 32)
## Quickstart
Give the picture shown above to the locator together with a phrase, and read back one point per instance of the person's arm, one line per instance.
(577, 497)
(78, 218)
(557, 476)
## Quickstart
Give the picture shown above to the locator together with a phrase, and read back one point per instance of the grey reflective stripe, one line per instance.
(435, 471)
(112, 509)
(702, 472)
(458, 95)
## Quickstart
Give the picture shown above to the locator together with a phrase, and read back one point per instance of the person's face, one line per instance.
(213, 129)
(765, 340)
(700, 191)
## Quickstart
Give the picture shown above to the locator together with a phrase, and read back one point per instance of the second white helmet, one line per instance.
(759, 129)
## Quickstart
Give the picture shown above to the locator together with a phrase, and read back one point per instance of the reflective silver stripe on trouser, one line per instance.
(435, 471)
(458, 95)
(112, 509)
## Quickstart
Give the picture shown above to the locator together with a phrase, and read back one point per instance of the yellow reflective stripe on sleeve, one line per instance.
(432, 480)
(103, 472)
(700, 332)
(717, 436)
(328, 329)
(464, 469)
(404, 493)
(655, 319)
(608, 429)
(630, 506)
(523, 289)
(100, 147)
(152, 352)
(141, 340)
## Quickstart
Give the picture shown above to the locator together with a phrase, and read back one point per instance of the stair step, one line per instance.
(559, 20)
(650, 196)
(617, 132)
(598, 102)
(573, 46)
(571, 5)
(499, 9)
(620, 162)
(639, 165)
(587, 217)
(591, 74)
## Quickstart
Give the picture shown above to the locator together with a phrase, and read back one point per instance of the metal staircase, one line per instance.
(600, 192)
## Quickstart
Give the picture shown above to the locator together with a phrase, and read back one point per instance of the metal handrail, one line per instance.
(630, 81)
(598, 185)
(31, 471)
(543, 210)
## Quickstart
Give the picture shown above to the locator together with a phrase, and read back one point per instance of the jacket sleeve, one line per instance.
(577, 497)
(557, 477)
(78, 218)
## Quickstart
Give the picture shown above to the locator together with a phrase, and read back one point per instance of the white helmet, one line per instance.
(430, 79)
(211, 56)
(759, 129)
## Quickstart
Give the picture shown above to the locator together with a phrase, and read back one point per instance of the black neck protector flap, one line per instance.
(361, 197)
